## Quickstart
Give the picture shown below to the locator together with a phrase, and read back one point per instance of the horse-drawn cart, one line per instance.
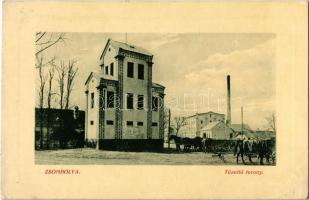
(246, 149)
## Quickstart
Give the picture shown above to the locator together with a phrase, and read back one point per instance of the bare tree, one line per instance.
(61, 73)
(271, 122)
(70, 78)
(43, 42)
(179, 123)
(46, 40)
(42, 82)
(50, 93)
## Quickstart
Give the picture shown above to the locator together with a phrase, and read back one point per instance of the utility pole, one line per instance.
(242, 120)
(169, 127)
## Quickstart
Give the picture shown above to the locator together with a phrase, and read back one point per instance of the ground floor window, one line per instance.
(140, 102)
(129, 123)
(110, 122)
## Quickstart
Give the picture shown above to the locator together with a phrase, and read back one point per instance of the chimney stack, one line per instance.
(228, 113)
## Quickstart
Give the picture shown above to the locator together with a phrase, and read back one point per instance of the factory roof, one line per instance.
(121, 45)
(265, 134)
(209, 112)
(237, 127)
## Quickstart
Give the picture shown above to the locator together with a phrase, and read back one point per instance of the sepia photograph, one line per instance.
(155, 98)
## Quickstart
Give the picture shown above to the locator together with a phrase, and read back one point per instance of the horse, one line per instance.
(197, 143)
(207, 145)
(177, 140)
(243, 148)
(187, 143)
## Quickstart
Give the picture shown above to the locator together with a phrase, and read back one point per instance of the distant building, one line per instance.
(124, 107)
(196, 122)
(217, 130)
(264, 135)
(240, 128)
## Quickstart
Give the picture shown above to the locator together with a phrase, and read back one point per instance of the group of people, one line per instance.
(249, 147)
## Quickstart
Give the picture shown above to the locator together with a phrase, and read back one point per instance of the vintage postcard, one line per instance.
(199, 100)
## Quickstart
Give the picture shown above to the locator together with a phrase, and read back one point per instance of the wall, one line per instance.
(137, 87)
(207, 118)
(93, 112)
(221, 133)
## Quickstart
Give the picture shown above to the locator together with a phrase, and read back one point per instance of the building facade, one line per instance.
(218, 130)
(196, 122)
(125, 109)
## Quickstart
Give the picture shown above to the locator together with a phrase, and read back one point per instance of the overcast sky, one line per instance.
(193, 68)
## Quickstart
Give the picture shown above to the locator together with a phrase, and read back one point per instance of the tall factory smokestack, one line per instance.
(228, 113)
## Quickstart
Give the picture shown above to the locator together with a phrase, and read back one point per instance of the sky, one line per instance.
(193, 68)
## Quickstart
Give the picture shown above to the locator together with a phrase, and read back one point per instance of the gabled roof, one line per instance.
(157, 85)
(120, 45)
(212, 125)
(97, 75)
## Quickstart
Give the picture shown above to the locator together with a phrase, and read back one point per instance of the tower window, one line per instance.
(140, 124)
(92, 100)
(129, 101)
(106, 70)
(140, 71)
(130, 70)
(112, 69)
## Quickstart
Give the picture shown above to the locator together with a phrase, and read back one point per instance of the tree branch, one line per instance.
(60, 38)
